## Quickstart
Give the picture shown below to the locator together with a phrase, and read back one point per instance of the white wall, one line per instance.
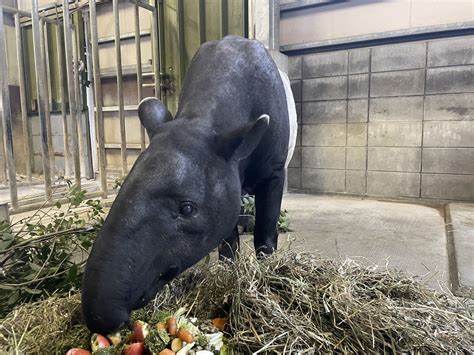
(360, 17)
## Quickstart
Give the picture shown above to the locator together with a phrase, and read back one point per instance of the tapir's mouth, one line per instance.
(159, 282)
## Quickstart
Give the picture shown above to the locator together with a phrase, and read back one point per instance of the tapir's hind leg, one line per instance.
(268, 196)
(229, 246)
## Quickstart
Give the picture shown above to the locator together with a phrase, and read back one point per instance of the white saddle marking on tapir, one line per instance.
(290, 101)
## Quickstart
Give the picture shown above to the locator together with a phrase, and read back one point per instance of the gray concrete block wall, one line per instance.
(393, 120)
(59, 166)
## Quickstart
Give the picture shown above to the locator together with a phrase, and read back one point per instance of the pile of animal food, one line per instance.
(163, 334)
(286, 303)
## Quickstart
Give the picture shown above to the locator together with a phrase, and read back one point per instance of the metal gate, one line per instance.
(71, 96)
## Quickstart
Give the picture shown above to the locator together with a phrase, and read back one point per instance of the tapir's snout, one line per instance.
(104, 318)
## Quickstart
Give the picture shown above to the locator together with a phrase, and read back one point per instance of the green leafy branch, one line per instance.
(46, 253)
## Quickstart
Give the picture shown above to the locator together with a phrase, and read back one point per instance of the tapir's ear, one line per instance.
(152, 113)
(240, 143)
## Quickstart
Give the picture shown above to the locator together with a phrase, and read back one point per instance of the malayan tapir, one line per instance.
(235, 129)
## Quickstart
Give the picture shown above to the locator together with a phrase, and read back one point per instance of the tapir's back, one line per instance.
(231, 82)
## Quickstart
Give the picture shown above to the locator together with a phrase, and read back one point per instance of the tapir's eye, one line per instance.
(186, 209)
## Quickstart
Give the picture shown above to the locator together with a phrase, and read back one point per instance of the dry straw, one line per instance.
(288, 303)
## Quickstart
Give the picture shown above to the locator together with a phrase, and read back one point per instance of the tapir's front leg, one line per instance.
(268, 196)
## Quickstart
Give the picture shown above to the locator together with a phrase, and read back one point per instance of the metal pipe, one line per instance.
(181, 40)
(24, 117)
(138, 55)
(143, 5)
(159, 21)
(45, 63)
(7, 117)
(42, 97)
(202, 21)
(89, 121)
(225, 18)
(67, 149)
(98, 98)
(156, 53)
(118, 55)
(71, 91)
(78, 98)
(79, 7)
(13, 10)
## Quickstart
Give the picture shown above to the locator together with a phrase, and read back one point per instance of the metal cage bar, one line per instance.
(47, 112)
(42, 98)
(62, 83)
(7, 117)
(24, 117)
(98, 99)
(118, 55)
(156, 53)
(71, 92)
(138, 54)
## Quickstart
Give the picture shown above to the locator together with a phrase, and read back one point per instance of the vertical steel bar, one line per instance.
(224, 18)
(45, 63)
(98, 98)
(44, 36)
(24, 117)
(139, 69)
(77, 92)
(3, 154)
(67, 149)
(118, 55)
(42, 97)
(202, 21)
(71, 91)
(156, 53)
(181, 41)
(90, 129)
(7, 117)
(159, 21)
(83, 127)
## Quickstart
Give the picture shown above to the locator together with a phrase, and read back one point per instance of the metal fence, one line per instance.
(60, 15)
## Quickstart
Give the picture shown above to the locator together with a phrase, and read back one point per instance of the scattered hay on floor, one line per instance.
(51, 326)
(286, 303)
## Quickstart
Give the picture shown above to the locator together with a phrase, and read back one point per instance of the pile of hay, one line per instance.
(284, 304)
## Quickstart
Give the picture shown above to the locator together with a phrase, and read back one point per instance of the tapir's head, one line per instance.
(180, 200)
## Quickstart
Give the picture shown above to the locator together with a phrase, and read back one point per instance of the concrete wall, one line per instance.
(362, 17)
(392, 120)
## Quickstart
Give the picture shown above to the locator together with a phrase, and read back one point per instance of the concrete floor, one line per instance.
(461, 238)
(406, 236)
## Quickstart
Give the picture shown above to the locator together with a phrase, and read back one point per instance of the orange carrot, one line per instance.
(185, 335)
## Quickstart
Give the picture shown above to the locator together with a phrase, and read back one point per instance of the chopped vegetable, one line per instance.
(99, 341)
(140, 331)
(134, 349)
(167, 352)
(157, 340)
(185, 335)
(161, 326)
(215, 340)
(202, 340)
(219, 323)
(176, 344)
(115, 338)
(172, 327)
(185, 349)
(78, 351)
(110, 350)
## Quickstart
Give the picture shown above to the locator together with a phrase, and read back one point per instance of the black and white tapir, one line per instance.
(235, 129)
